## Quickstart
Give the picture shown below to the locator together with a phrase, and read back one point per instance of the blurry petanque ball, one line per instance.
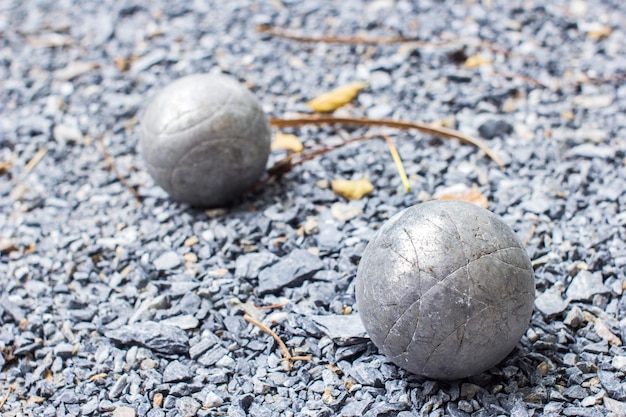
(445, 289)
(205, 139)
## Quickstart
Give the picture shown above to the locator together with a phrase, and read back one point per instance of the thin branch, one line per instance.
(287, 356)
(343, 39)
(533, 229)
(524, 77)
(35, 160)
(422, 127)
(111, 164)
(4, 399)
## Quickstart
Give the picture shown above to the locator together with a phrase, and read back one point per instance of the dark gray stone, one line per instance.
(494, 128)
(155, 336)
(342, 329)
(290, 271)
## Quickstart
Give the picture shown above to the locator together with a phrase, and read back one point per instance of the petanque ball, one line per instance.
(205, 139)
(445, 289)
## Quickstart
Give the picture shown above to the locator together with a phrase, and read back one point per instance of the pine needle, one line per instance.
(399, 166)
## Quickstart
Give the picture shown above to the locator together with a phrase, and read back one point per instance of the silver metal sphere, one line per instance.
(445, 289)
(205, 139)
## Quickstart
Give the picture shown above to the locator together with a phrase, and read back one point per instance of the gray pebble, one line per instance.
(155, 336)
(585, 285)
(290, 271)
(167, 260)
(494, 128)
(550, 302)
(342, 329)
(176, 372)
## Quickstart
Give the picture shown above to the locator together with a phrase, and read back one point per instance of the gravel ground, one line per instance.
(114, 306)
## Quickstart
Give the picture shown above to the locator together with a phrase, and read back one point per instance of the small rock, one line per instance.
(207, 341)
(73, 70)
(124, 412)
(590, 150)
(576, 392)
(593, 102)
(550, 302)
(187, 406)
(155, 336)
(249, 265)
(366, 374)
(148, 61)
(184, 321)
(176, 372)
(468, 391)
(619, 363)
(118, 387)
(212, 356)
(291, 271)
(380, 111)
(617, 407)
(494, 128)
(212, 400)
(344, 211)
(585, 285)
(453, 410)
(354, 408)
(64, 350)
(574, 318)
(613, 385)
(66, 134)
(167, 260)
(342, 329)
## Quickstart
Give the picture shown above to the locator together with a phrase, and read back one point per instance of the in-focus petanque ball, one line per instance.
(205, 139)
(445, 289)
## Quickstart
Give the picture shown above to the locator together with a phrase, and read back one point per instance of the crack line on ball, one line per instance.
(438, 345)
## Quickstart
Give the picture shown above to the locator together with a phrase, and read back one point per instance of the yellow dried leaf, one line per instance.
(287, 142)
(336, 98)
(476, 61)
(352, 190)
(472, 195)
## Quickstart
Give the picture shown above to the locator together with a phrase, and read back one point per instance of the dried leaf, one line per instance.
(352, 190)
(336, 98)
(287, 142)
(476, 61)
(463, 193)
(603, 331)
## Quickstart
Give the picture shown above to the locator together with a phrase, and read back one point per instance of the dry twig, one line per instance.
(343, 39)
(422, 127)
(111, 164)
(286, 355)
(4, 399)
(533, 229)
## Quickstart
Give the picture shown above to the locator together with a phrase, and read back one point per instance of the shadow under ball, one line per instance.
(205, 139)
(445, 289)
